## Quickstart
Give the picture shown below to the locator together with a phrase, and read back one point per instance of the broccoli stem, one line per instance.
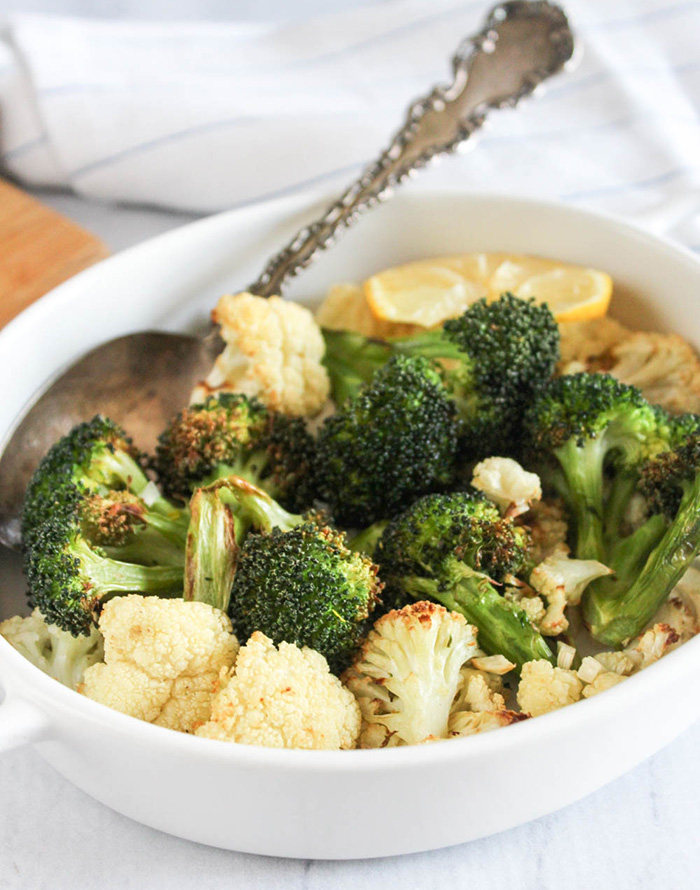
(615, 617)
(430, 344)
(623, 487)
(351, 361)
(582, 466)
(250, 469)
(117, 467)
(257, 508)
(212, 549)
(148, 547)
(504, 628)
(104, 575)
(366, 541)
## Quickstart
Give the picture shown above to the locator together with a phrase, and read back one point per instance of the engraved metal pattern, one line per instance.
(520, 46)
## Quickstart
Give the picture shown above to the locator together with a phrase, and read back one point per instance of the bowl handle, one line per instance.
(20, 723)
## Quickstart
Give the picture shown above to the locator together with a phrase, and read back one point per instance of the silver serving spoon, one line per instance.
(142, 380)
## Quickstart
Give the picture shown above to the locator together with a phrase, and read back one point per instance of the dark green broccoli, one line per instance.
(395, 441)
(455, 548)
(305, 586)
(590, 435)
(69, 578)
(87, 532)
(98, 457)
(126, 528)
(650, 562)
(494, 357)
(222, 514)
(236, 435)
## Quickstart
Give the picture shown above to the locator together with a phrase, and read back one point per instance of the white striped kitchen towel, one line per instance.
(205, 116)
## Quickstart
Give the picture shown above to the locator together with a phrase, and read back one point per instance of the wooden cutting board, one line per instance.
(39, 249)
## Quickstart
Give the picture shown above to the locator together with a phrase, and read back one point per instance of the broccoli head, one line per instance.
(305, 586)
(87, 532)
(69, 578)
(455, 549)
(395, 441)
(493, 357)
(95, 456)
(652, 560)
(590, 434)
(236, 435)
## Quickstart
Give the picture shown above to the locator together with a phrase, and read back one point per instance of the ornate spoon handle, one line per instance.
(520, 46)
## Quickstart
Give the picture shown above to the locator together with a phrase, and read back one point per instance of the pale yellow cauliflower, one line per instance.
(544, 688)
(479, 705)
(561, 581)
(162, 659)
(282, 697)
(408, 673)
(585, 341)
(681, 611)
(54, 651)
(664, 366)
(507, 484)
(548, 528)
(274, 350)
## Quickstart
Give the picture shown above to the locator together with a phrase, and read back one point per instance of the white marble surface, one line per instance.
(640, 832)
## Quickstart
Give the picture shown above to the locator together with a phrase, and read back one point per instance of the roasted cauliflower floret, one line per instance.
(544, 688)
(562, 581)
(479, 705)
(548, 528)
(507, 484)
(682, 609)
(408, 673)
(282, 697)
(54, 651)
(162, 659)
(652, 645)
(585, 341)
(529, 602)
(273, 351)
(664, 366)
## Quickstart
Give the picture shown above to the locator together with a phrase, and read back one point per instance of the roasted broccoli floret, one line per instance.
(69, 578)
(494, 357)
(126, 528)
(236, 435)
(222, 514)
(94, 457)
(590, 436)
(306, 587)
(456, 548)
(652, 560)
(396, 441)
(88, 533)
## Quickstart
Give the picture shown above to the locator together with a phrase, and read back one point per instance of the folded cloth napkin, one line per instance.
(205, 116)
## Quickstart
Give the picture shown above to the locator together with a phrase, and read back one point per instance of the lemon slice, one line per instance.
(427, 292)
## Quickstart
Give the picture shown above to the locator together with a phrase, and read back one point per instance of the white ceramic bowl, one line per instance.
(357, 803)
